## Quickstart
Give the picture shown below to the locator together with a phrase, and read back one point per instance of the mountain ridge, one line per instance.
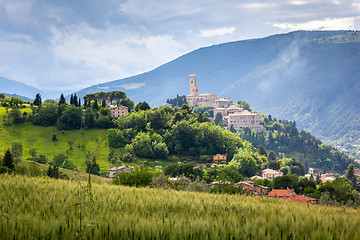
(301, 76)
(13, 87)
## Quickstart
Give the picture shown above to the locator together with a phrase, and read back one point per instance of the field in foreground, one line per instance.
(43, 208)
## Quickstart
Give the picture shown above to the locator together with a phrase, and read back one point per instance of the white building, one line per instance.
(114, 170)
(271, 174)
(118, 111)
(246, 119)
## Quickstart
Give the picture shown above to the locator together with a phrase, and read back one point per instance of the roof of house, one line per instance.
(219, 155)
(256, 177)
(302, 199)
(222, 100)
(116, 106)
(234, 107)
(268, 170)
(244, 112)
(281, 193)
(118, 168)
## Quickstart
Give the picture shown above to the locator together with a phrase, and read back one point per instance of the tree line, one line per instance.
(284, 138)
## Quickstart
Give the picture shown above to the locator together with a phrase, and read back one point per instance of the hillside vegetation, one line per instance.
(310, 77)
(76, 146)
(80, 211)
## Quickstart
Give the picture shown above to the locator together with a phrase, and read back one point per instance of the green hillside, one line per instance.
(43, 208)
(311, 77)
(84, 146)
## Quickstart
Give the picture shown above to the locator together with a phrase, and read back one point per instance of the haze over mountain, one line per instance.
(11, 87)
(308, 76)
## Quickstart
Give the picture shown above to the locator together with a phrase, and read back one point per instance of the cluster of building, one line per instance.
(250, 187)
(235, 116)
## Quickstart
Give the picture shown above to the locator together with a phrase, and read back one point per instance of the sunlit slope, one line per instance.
(78, 147)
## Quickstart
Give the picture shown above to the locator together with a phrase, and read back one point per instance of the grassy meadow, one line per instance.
(84, 146)
(44, 208)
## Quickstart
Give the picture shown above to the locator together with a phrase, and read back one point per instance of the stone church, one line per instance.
(204, 99)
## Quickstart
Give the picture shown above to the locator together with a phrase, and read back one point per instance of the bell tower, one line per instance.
(194, 90)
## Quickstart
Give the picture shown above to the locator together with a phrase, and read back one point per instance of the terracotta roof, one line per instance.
(302, 199)
(280, 193)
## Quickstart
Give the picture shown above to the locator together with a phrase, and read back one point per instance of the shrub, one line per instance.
(139, 177)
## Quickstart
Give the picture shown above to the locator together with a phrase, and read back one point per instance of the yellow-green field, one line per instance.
(90, 143)
(44, 208)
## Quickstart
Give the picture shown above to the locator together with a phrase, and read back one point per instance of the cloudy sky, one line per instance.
(71, 44)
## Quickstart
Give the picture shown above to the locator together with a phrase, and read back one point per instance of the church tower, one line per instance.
(194, 90)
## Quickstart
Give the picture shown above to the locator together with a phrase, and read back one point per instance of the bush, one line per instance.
(226, 188)
(30, 170)
(139, 177)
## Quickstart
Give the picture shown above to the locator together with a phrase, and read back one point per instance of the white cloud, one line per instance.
(217, 32)
(110, 54)
(298, 3)
(72, 44)
(326, 24)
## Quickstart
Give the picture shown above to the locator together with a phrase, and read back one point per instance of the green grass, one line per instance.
(92, 143)
(44, 208)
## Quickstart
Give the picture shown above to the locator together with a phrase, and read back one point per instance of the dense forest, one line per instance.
(284, 138)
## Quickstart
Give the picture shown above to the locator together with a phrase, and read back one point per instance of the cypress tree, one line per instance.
(37, 101)
(75, 100)
(62, 99)
(350, 176)
(71, 99)
(8, 160)
(79, 104)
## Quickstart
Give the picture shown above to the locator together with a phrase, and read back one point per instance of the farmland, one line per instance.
(43, 208)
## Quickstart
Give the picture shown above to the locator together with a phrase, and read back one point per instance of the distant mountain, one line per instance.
(312, 77)
(25, 99)
(14, 87)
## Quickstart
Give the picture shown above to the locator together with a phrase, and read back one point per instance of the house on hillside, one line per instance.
(251, 187)
(219, 159)
(290, 195)
(114, 170)
(271, 174)
(327, 177)
(118, 111)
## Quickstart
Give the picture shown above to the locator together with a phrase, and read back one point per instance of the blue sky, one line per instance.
(64, 45)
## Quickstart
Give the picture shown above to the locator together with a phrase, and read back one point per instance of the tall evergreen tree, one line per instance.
(37, 101)
(8, 160)
(62, 99)
(79, 104)
(75, 100)
(71, 99)
(351, 177)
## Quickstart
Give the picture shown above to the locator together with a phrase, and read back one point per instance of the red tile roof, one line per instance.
(290, 195)
(281, 193)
